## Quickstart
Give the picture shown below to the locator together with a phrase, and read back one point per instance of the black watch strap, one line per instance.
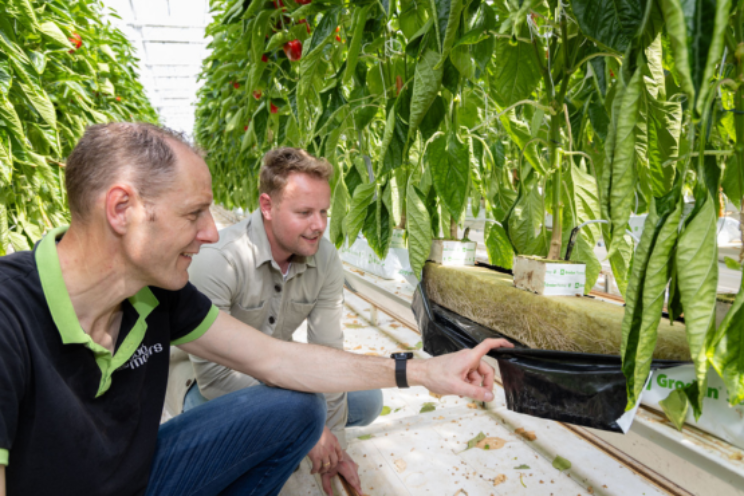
(401, 360)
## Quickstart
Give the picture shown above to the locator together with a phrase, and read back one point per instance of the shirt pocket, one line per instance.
(254, 317)
(296, 313)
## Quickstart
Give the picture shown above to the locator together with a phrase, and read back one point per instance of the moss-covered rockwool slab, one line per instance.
(562, 323)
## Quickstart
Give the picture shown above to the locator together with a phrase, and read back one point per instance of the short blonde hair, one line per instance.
(280, 163)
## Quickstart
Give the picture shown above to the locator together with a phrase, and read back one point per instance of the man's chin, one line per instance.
(308, 249)
(174, 283)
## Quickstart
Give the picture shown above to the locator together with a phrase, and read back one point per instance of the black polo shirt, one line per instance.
(74, 419)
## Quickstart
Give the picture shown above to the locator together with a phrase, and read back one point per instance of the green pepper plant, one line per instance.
(63, 66)
(551, 115)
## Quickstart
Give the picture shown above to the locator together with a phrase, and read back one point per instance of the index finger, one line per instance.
(491, 344)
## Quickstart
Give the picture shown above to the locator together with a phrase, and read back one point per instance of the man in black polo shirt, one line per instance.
(87, 317)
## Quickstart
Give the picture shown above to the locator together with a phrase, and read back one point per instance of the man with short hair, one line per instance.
(272, 271)
(85, 323)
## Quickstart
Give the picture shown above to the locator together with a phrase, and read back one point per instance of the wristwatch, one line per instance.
(400, 367)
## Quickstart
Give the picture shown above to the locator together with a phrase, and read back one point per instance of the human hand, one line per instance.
(462, 373)
(326, 453)
(346, 468)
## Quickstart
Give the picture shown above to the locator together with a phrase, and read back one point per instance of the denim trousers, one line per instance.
(244, 443)
(364, 406)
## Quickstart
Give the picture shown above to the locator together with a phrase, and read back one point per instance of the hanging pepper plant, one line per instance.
(548, 115)
(63, 66)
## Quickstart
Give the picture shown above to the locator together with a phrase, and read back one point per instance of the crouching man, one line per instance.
(87, 317)
(272, 271)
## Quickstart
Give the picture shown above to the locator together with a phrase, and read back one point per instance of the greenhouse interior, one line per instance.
(372, 247)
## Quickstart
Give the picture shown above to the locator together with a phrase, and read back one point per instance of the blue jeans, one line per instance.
(244, 443)
(364, 406)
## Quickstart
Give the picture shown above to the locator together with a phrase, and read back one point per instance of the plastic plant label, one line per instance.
(564, 279)
(397, 241)
(457, 253)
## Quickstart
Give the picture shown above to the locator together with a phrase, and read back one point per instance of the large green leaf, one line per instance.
(378, 226)
(452, 22)
(446, 13)
(355, 44)
(51, 30)
(411, 18)
(236, 121)
(675, 407)
(697, 258)
(710, 58)
(259, 29)
(623, 175)
(500, 250)
(644, 297)
(519, 132)
(426, 83)
(733, 180)
(433, 118)
(6, 166)
(27, 14)
(260, 123)
(391, 149)
(332, 100)
(584, 252)
(613, 23)
(418, 226)
(449, 160)
(726, 350)
(483, 50)
(676, 30)
(365, 111)
(582, 196)
(526, 224)
(6, 80)
(324, 30)
(10, 118)
(517, 73)
(664, 128)
(354, 220)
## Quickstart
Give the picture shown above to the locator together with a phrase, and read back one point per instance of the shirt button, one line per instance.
(277, 288)
(188, 383)
(272, 320)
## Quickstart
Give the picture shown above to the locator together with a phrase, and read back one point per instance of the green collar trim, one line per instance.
(65, 318)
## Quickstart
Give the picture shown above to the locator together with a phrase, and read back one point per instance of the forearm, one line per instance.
(307, 367)
(216, 380)
(313, 368)
(302, 367)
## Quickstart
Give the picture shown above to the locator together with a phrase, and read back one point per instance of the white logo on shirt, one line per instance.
(141, 356)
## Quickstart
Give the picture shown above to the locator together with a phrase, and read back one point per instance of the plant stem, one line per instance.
(453, 228)
(739, 116)
(555, 150)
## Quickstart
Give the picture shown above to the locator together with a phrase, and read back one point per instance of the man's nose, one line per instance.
(208, 233)
(319, 222)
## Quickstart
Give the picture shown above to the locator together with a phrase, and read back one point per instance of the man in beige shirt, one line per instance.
(272, 271)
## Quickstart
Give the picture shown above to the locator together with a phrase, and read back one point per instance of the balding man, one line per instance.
(86, 319)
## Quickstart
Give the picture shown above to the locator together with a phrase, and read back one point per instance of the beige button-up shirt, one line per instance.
(240, 276)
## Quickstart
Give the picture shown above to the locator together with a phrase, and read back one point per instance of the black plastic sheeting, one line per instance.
(577, 388)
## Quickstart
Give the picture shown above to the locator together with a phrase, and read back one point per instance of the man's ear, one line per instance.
(264, 203)
(120, 202)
